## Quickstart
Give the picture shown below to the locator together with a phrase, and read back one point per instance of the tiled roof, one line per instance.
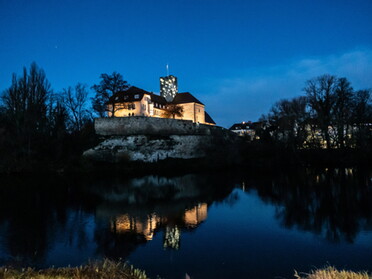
(158, 99)
(208, 118)
(186, 97)
(135, 94)
(131, 95)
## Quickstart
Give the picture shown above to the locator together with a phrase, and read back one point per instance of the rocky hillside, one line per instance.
(151, 140)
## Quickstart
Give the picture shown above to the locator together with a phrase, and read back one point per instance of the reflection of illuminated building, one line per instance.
(172, 238)
(125, 223)
(147, 226)
(196, 215)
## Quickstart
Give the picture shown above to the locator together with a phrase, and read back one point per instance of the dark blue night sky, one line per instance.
(237, 57)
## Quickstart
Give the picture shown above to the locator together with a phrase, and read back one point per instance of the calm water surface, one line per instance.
(226, 225)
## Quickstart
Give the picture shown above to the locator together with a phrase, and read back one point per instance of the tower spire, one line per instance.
(167, 69)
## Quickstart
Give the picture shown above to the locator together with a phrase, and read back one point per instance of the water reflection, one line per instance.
(126, 223)
(68, 220)
(35, 213)
(333, 203)
(131, 213)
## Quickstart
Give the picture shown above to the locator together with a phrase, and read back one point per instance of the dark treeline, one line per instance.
(331, 119)
(45, 130)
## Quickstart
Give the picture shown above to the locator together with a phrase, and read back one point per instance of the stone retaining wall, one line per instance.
(142, 125)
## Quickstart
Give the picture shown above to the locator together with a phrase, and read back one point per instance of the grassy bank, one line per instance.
(116, 270)
(99, 270)
(332, 273)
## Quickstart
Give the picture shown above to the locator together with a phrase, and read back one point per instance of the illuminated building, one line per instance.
(138, 102)
(247, 129)
(168, 87)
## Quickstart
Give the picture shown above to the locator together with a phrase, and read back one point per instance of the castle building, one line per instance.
(138, 102)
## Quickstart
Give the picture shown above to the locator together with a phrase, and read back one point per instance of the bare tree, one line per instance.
(321, 96)
(75, 101)
(27, 96)
(25, 103)
(342, 110)
(289, 117)
(108, 86)
(362, 116)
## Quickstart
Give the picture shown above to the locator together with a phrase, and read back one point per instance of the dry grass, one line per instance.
(332, 273)
(98, 270)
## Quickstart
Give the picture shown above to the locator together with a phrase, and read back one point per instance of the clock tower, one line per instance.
(168, 87)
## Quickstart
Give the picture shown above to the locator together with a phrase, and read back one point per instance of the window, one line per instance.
(131, 106)
(136, 96)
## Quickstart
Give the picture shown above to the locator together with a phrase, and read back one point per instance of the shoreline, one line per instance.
(92, 270)
(116, 269)
(250, 158)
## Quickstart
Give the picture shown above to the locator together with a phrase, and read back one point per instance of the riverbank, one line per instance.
(116, 270)
(99, 270)
(257, 154)
(253, 161)
(240, 155)
(332, 273)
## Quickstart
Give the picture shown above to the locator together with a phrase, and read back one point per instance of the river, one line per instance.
(251, 224)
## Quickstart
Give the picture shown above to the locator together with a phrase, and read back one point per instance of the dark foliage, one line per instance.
(331, 115)
(330, 126)
(39, 130)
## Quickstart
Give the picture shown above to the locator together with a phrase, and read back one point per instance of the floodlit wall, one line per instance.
(142, 125)
(193, 112)
(143, 107)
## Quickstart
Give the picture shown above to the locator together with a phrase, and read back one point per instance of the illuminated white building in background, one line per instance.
(138, 102)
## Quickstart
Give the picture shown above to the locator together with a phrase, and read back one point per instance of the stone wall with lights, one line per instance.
(149, 139)
(142, 125)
